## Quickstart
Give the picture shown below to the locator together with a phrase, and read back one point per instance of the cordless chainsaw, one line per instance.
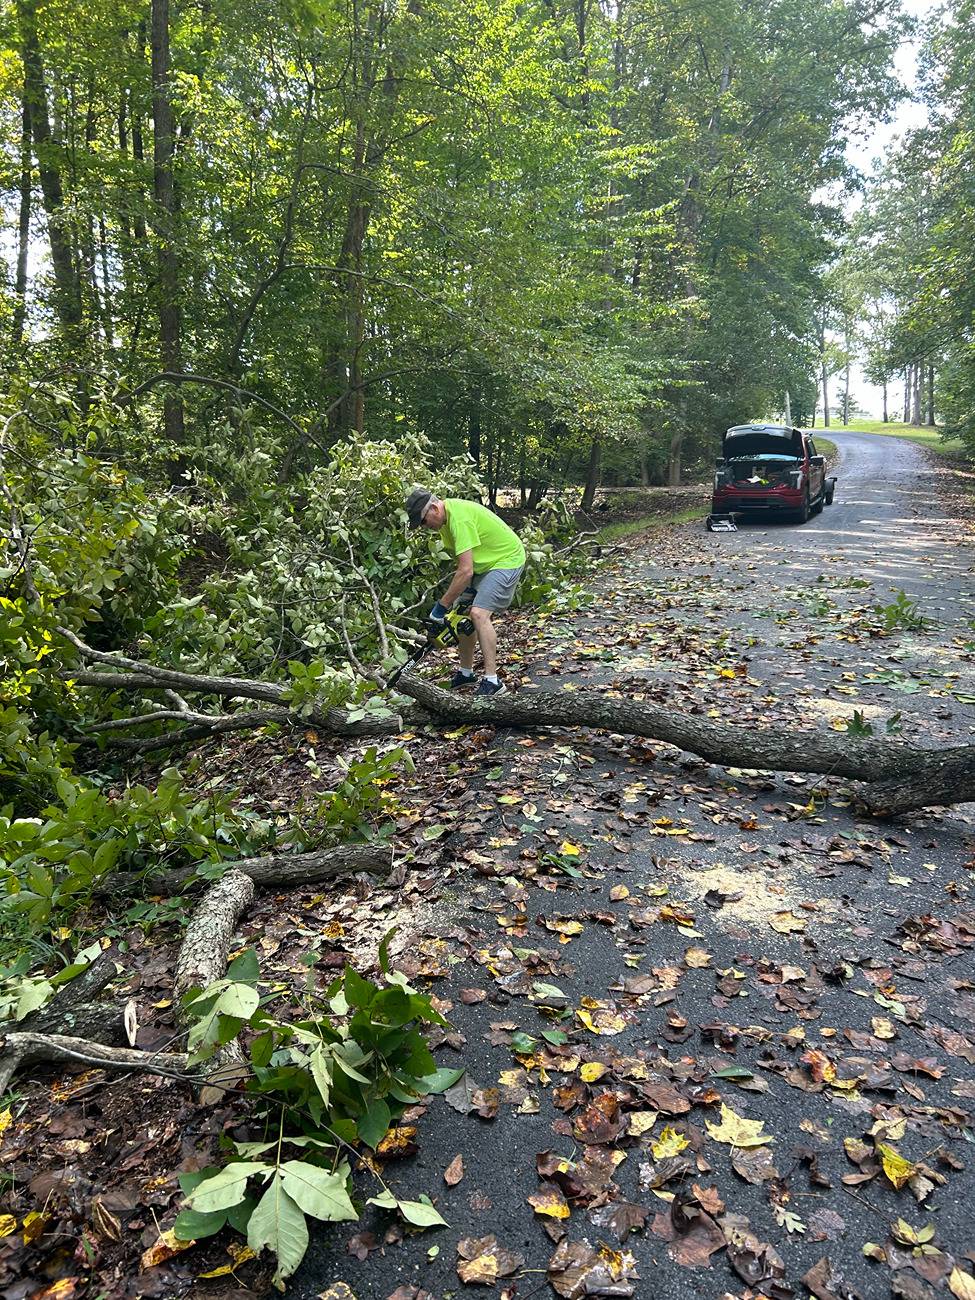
(456, 624)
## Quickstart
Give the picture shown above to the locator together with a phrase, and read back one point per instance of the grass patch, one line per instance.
(924, 436)
(827, 448)
(614, 532)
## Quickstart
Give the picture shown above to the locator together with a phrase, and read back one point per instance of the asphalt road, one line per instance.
(775, 624)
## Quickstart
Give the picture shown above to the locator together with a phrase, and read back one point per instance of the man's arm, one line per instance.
(460, 581)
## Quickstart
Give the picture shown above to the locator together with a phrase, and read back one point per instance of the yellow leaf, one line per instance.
(786, 922)
(591, 1071)
(961, 1284)
(738, 1131)
(33, 1226)
(550, 1203)
(567, 928)
(897, 1168)
(882, 1027)
(670, 1143)
(164, 1248)
(641, 1121)
(569, 850)
(8, 1225)
(727, 672)
(602, 1022)
(483, 1269)
(222, 1271)
(6, 1118)
(697, 958)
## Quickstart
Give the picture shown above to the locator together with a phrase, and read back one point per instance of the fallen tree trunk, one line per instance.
(203, 957)
(266, 872)
(148, 677)
(74, 1011)
(203, 952)
(892, 776)
(19, 1048)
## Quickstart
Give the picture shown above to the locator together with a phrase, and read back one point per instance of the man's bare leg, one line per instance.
(465, 651)
(488, 641)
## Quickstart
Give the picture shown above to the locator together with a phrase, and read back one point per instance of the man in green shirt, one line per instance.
(490, 561)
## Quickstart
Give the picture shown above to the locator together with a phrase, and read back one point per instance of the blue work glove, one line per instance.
(438, 613)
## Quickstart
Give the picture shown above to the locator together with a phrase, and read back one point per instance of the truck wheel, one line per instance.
(802, 514)
(829, 493)
(819, 503)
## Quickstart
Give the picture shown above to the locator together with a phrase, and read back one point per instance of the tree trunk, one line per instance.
(886, 421)
(846, 378)
(592, 475)
(931, 420)
(67, 295)
(535, 494)
(893, 777)
(824, 376)
(644, 468)
(474, 427)
(267, 872)
(907, 394)
(138, 140)
(918, 387)
(23, 225)
(165, 220)
(206, 943)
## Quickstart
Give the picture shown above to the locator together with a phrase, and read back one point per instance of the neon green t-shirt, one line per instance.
(472, 527)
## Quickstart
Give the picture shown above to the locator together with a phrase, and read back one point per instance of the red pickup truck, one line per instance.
(770, 467)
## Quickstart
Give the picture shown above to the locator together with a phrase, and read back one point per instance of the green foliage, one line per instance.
(360, 799)
(21, 993)
(54, 861)
(903, 612)
(324, 1086)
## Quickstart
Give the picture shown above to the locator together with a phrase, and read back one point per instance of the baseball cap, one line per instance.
(416, 503)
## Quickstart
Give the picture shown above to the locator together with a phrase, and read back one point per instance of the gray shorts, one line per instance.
(493, 590)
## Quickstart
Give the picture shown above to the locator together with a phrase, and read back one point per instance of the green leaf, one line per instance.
(279, 1224)
(318, 1192)
(244, 968)
(262, 1049)
(358, 991)
(191, 1225)
(384, 950)
(555, 1036)
(33, 994)
(321, 1072)
(239, 1001)
(225, 1188)
(440, 1080)
(374, 1125)
(421, 1212)
(732, 1072)
(523, 1043)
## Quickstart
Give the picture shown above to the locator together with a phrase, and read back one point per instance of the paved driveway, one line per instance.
(718, 938)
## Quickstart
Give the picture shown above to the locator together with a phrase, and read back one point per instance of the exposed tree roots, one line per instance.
(891, 777)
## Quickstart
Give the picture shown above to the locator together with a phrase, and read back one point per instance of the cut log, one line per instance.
(891, 776)
(74, 1011)
(267, 872)
(203, 952)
